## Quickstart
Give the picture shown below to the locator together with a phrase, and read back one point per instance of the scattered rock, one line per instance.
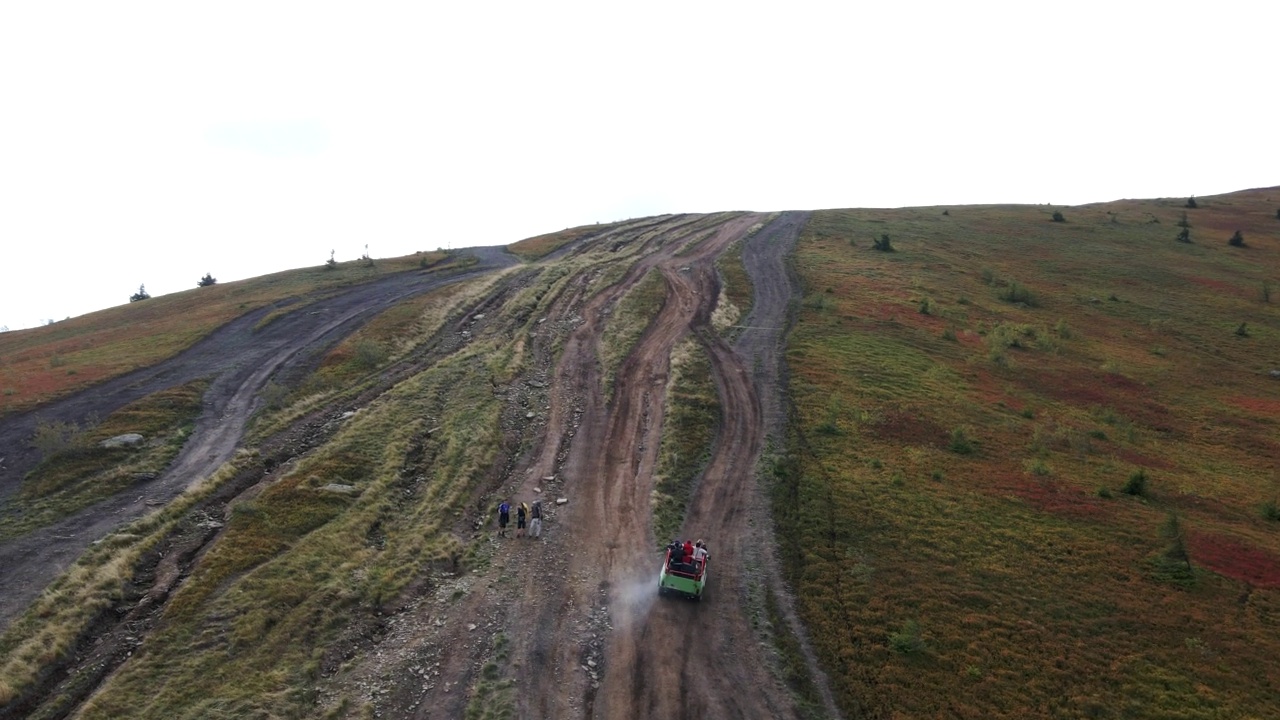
(471, 626)
(561, 501)
(530, 415)
(125, 440)
(537, 489)
(347, 415)
(549, 478)
(1274, 373)
(339, 489)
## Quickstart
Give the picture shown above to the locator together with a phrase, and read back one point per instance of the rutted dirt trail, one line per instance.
(574, 618)
(241, 359)
(590, 636)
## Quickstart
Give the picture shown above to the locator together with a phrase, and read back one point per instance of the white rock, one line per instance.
(471, 626)
(537, 490)
(561, 501)
(125, 440)
(347, 415)
(340, 489)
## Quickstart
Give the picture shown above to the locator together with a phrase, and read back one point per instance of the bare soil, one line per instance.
(577, 612)
(566, 626)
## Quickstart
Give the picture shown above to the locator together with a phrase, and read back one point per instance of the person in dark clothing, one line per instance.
(535, 519)
(504, 517)
(522, 514)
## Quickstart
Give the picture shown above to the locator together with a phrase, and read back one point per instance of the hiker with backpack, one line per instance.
(522, 513)
(504, 517)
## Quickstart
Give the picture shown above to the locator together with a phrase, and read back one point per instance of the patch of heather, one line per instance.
(1231, 558)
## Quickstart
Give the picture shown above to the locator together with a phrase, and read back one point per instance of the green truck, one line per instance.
(682, 579)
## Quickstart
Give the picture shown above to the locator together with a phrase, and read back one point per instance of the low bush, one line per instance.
(907, 641)
(961, 443)
(1136, 485)
(1016, 292)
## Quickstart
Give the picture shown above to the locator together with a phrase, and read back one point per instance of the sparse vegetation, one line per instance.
(1058, 217)
(884, 244)
(1015, 292)
(1236, 240)
(907, 640)
(692, 413)
(1136, 485)
(960, 443)
(1184, 235)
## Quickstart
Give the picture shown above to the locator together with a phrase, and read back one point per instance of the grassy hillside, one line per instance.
(1033, 463)
(1030, 470)
(40, 364)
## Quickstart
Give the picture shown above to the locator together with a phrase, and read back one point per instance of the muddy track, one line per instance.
(580, 608)
(240, 360)
(576, 613)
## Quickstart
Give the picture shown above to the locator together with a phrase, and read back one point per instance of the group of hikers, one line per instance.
(526, 514)
(687, 556)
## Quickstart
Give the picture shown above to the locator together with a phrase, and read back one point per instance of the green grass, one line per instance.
(692, 413)
(263, 602)
(628, 321)
(1031, 592)
(77, 477)
(44, 363)
(734, 303)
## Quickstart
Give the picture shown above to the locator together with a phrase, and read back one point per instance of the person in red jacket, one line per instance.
(688, 552)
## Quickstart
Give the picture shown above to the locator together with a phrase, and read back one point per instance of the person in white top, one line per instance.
(699, 552)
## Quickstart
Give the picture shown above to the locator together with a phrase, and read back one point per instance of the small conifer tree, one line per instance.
(1191, 202)
(1236, 240)
(140, 295)
(207, 280)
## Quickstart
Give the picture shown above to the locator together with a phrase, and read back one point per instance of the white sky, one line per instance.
(155, 142)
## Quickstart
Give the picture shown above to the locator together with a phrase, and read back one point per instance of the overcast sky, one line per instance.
(154, 142)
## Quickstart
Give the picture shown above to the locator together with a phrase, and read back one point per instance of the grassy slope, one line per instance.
(999, 583)
(41, 364)
(250, 629)
(84, 472)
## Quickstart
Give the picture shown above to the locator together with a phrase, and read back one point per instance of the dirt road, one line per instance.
(580, 610)
(241, 361)
(574, 618)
